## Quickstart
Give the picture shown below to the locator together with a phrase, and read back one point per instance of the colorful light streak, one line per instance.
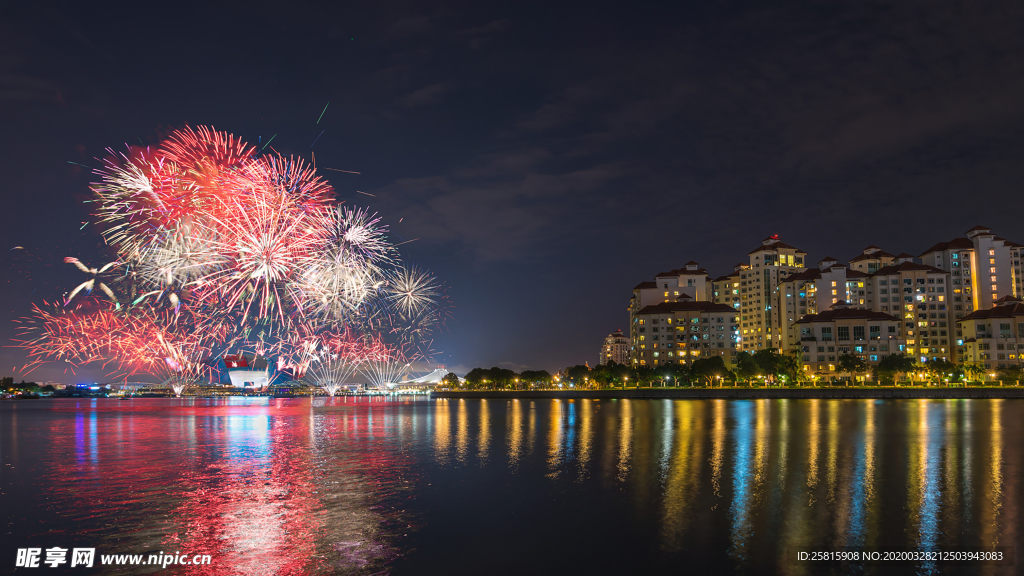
(222, 249)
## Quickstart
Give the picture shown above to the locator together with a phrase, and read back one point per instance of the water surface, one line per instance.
(365, 486)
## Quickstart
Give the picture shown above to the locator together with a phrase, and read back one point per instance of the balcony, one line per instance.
(808, 339)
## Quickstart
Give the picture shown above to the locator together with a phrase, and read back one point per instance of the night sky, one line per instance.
(547, 156)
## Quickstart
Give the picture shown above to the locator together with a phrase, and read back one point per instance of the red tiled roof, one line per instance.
(954, 244)
(905, 267)
(979, 227)
(1007, 311)
(681, 272)
(669, 307)
(873, 256)
(643, 285)
(1007, 300)
(846, 314)
(774, 246)
(809, 274)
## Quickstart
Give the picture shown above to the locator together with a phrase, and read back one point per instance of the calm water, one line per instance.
(360, 486)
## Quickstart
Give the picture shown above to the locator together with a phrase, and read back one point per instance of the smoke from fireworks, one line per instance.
(220, 249)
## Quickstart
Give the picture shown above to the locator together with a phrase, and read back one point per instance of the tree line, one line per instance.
(761, 368)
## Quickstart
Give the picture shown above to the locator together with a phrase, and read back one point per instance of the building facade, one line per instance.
(844, 329)
(928, 295)
(994, 337)
(762, 322)
(615, 349)
(681, 332)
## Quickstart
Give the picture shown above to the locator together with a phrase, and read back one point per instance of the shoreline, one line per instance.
(881, 393)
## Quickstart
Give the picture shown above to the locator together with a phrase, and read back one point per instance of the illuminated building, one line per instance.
(814, 290)
(761, 317)
(919, 295)
(775, 290)
(726, 289)
(615, 349)
(689, 283)
(247, 371)
(842, 329)
(681, 332)
(872, 258)
(994, 337)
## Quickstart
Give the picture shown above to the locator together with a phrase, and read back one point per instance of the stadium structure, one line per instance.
(247, 371)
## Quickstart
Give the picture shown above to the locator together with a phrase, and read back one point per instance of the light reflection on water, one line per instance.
(361, 486)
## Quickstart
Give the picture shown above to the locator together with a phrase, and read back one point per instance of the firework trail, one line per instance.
(223, 249)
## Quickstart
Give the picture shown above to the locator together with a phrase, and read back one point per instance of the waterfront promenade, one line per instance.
(881, 392)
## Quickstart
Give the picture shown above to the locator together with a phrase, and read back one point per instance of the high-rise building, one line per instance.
(761, 317)
(844, 329)
(726, 289)
(871, 259)
(681, 332)
(994, 337)
(775, 291)
(919, 296)
(991, 267)
(615, 349)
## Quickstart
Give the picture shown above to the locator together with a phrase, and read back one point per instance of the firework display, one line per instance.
(221, 249)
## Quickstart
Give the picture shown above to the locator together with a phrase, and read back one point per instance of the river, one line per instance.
(367, 485)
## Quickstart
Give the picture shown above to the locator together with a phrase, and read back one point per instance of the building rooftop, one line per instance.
(844, 313)
(670, 307)
(906, 267)
(954, 244)
(877, 254)
(1005, 311)
(772, 243)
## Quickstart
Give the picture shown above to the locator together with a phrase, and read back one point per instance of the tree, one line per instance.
(852, 365)
(940, 370)
(709, 369)
(676, 374)
(535, 377)
(450, 380)
(892, 365)
(1011, 373)
(974, 372)
(746, 367)
(577, 374)
(476, 378)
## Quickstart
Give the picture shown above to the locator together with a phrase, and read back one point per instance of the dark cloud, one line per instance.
(548, 158)
(425, 96)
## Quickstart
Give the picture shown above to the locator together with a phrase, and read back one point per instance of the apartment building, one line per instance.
(615, 349)
(844, 329)
(872, 258)
(919, 295)
(726, 289)
(817, 289)
(762, 322)
(681, 332)
(774, 291)
(994, 337)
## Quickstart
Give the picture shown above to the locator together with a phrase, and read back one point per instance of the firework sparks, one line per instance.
(251, 252)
